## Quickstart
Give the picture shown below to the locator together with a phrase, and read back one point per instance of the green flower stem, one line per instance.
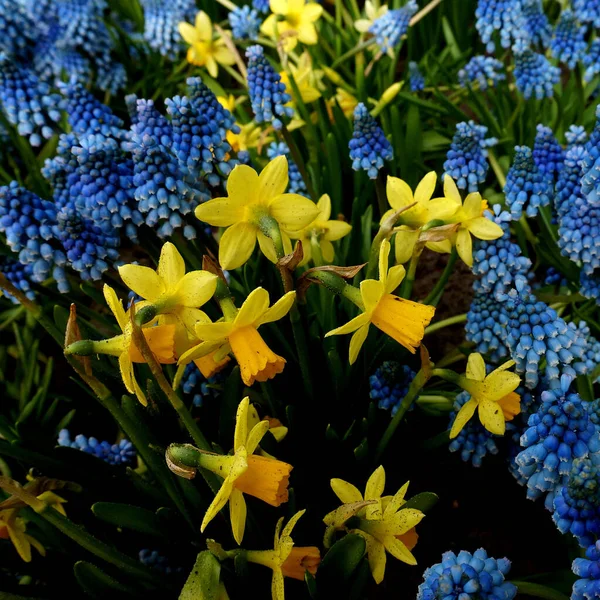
(527, 230)
(223, 296)
(407, 285)
(437, 292)
(79, 535)
(235, 75)
(358, 48)
(544, 213)
(424, 12)
(446, 322)
(297, 156)
(382, 201)
(227, 4)
(447, 375)
(500, 176)
(416, 386)
(535, 590)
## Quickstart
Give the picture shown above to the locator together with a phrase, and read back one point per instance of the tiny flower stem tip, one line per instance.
(81, 348)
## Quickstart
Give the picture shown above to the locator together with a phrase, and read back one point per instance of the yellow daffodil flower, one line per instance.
(253, 203)
(403, 320)
(14, 527)
(286, 560)
(245, 473)
(161, 340)
(278, 430)
(381, 521)
(292, 21)
(346, 101)
(256, 360)
(205, 50)
(250, 136)
(306, 78)
(411, 221)
(227, 102)
(494, 395)
(321, 232)
(372, 13)
(172, 292)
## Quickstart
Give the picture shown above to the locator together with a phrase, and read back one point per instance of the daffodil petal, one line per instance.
(398, 550)
(188, 32)
(324, 206)
(115, 306)
(492, 417)
(279, 309)
(398, 192)
(203, 26)
(287, 530)
(236, 245)
(221, 212)
(394, 279)
(426, 188)
(20, 542)
(311, 12)
(307, 33)
(476, 367)
(241, 424)
(484, 229)
(463, 416)
(356, 342)
(277, 585)
(405, 241)
(376, 557)
(362, 25)
(293, 211)
(396, 502)
(472, 205)
(171, 267)
(253, 308)
(327, 251)
(278, 7)
(267, 247)
(336, 230)
(219, 501)
(451, 191)
(346, 492)
(507, 365)
(256, 435)
(464, 246)
(242, 184)
(273, 180)
(501, 383)
(350, 326)
(384, 254)
(143, 281)
(371, 292)
(212, 332)
(237, 514)
(196, 288)
(373, 491)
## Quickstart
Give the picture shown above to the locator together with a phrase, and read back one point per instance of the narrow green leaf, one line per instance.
(423, 501)
(128, 517)
(203, 582)
(97, 583)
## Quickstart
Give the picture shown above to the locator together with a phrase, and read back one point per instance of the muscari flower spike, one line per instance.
(483, 326)
(161, 22)
(200, 125)
(483, 70)
(504, 16)
(568, 198)
(536, 22)
(389, 384)
(589, 285)
(157, 562)
(296, 185)
(416, 80)
(568, 42)
(587, 11)
(559, 432)
(576, 135)
(466, 161)
(262, 6)
(590, 181)
(577, 504)
(527, 186)
(534, 75)
(587, 587)
(548, 154)
(27, 102)
(474, 441)
(245, 23)
(122, 453)
(591, 61)
(369, 148)
(18, 28)
(200, 388)
(467, 576)
(392, 25)
(267, 92)
(19, 275)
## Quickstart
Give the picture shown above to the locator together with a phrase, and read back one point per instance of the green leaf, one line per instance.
(535, 590)
(311, 584)
(128, 517)
(232, 395)
(423, 501)
(339, 564)
(203, 582)
(450, 39)
(97, 583)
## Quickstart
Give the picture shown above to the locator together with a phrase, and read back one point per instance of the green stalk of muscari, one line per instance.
(297, 157)
(82, 537)
(269, 227)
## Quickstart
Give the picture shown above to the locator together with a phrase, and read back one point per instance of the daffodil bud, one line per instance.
(333, 76)
(81, 348)
(146, 314)
(387, 97)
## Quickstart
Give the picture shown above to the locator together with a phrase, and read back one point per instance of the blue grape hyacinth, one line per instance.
(261, 6)
(483, 327)
(296, 182)
(559, 432)
(534, 75)
(587, 11)
(577, 504)
(474, 441)
(389, 28)
(483, 70)
(161, 24)
(503, 16)
(587, 587)
(416, 80)
(466, 161)
(389, 384)
(568, 42)
(590, 180)
(467, 576)
(591, 61)
(196, 385)
(19, 275)
(245, 23)
(267, 92)
(537, 25)
(122, 453)
(527, 186)
(548, 154)
(369, 148)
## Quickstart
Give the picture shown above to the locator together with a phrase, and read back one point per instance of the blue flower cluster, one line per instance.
(568, 198)
(369, 147)
(474, 441)
(534, 75)
(577, 504)
(568, 42)
(590, 180)
(591, 61)
(416, 80)
(559, 432)
(196, 385)
(467, 576)
(504, 16)
(548, 154)
(588, 570)
(19, 275)
(389, 384)
(483, 327)
(245, 23)
(122, 453)
(527, 186)
(483, 70)
(587, 11)
(537, 25)
(296, 184)
(389, 28)
(161, 22)
(466, 161)
(554, 277)
(262, 6)
(589, 286)
(267, 92)
(155, 560)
